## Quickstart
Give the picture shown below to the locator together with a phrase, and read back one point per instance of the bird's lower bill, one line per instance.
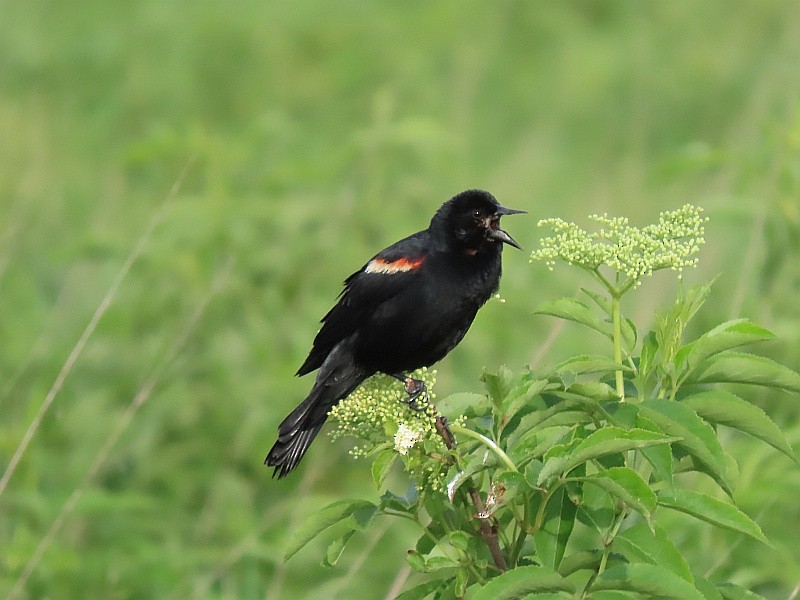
(494, 233)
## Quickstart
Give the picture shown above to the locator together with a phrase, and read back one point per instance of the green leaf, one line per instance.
(541, 418)
(627, 485)
(740, 367)
(597, 509)
(536, 444)
(723, 408)
(391, 501)
(730, 334)
(327, 517)
(658, 456)
(696, 436)
(466, 404)
(596, 390)
(579, 561)
(640, 544)
(611, 595)
(627, 326)
(590, 363)
(421, 591)
(552, 537)
(607, 440)
(731, 591)
(520, 396)
(648, 354)
(521, 581)
(416, 561)
(708, 589)
(498, 385)
(382, 465)
(571, 309)
(476, 465)
(335, 549)
(709, 509)
(650, 580)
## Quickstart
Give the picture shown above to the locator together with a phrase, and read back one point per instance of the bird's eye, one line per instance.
(477, 214)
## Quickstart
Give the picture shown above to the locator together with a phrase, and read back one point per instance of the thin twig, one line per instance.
(89, 330)
(486, 529)
(102, 455)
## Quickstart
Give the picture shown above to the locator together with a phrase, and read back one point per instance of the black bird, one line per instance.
(406, 308)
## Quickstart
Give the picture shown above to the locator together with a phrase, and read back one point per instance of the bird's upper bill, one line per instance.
(493, 231)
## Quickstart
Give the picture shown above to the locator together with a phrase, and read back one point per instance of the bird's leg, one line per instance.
(413, 387)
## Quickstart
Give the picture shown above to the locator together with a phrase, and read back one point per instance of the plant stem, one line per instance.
(486, 529)
(616, 318)
(486, 442)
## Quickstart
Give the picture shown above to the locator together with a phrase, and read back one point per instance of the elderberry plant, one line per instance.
(553, 482)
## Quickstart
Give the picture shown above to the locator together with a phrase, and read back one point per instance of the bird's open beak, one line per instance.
(495, 233)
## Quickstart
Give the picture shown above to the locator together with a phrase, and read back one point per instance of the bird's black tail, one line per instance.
(337, 377)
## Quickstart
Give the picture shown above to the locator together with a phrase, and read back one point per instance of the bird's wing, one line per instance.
(383, 277)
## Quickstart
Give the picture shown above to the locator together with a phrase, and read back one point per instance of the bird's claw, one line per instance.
(414, 388)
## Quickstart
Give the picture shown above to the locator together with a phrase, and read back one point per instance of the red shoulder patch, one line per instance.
(401, 265)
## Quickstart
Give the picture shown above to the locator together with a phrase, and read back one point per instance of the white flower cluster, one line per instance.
(672, 243)
(405, 438)
(378, 411)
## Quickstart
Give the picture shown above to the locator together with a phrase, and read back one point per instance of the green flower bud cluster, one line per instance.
(378, 412)
(672, 243)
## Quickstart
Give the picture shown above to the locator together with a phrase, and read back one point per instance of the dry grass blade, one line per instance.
(102, 455)
(89, 330)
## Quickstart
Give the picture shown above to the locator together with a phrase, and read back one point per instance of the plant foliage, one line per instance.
(554, 481)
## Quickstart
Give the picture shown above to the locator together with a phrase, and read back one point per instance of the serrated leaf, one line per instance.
(590, 363)
(741, 367)
(731, 591)
(597, 509)
(640, 544)
(325, 518)
(607, 440)
(725, 336)
(627, 485)
(708, 589)
(498, 384)
(382, 465)
(520, 396)
(539, 418)
(696, 436)
(723, 408)
(650, 580)
(466, 404)
(521, 581)
(711, 510)
(552, 537)
(660, 457)
(574, 310)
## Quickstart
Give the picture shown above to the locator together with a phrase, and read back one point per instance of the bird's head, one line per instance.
(471, 221)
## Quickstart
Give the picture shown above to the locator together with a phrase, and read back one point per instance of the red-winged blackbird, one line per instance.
(406, 308)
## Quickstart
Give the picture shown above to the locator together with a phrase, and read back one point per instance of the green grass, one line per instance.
(314, 135)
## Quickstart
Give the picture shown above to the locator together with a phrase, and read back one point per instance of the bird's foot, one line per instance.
(414, 388)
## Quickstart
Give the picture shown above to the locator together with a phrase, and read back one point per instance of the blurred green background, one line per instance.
(312, 135)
